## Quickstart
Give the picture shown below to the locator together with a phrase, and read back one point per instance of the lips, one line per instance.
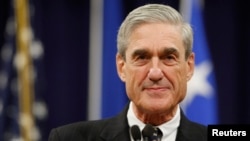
(156, 87)
(155, 90)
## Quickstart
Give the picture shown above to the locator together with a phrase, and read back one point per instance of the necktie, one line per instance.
(157, 134)
(151, 133)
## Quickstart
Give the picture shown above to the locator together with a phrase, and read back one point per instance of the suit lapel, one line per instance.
(117, 128)
(186, 130)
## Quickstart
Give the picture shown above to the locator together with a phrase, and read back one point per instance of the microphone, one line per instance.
(136, 133)
(147, 132)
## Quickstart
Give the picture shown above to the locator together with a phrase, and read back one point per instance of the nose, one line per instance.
(155, 74)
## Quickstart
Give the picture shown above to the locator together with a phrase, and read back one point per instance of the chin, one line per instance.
(157, 108)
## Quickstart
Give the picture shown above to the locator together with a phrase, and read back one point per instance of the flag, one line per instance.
(9, 104)
(107, 94)
(22, 108)
(114, 97)
(200, 103)
(39, 105)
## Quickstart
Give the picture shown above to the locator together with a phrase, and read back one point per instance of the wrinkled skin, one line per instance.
(155, 71)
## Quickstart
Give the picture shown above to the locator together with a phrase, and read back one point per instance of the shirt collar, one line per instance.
(167, 128)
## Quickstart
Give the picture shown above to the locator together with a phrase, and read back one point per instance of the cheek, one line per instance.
(181, 83)
(136, 75)
(177, 77)
(134, 79)
(173, 75)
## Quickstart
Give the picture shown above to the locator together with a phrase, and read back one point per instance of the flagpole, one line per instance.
(185, 9)
(95, 60)
(24, 68)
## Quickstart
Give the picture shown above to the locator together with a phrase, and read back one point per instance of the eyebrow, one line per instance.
(140, 52)
(163, 52)
(170, 50)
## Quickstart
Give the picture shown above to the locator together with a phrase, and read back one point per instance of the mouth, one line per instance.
(155, 90)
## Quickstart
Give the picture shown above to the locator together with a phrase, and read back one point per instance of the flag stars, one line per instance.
(40, 110)
(6, 52)
(36, 135)
(36, 49)
(10, 27)
(199, 84)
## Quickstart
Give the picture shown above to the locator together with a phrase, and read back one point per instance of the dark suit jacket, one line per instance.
(117, 129)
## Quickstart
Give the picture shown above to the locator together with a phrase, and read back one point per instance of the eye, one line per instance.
(142, 57)
(170, 56)
(169, 59)
(141, 60)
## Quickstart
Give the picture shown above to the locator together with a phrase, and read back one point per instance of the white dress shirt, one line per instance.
(169, 129)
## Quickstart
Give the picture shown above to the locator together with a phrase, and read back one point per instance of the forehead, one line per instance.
(156, 36)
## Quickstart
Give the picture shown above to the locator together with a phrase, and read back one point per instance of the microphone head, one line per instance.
(135, 132)
(148, 131)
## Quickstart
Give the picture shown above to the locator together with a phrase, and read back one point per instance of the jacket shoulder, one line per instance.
(113, 128)
(78, 131)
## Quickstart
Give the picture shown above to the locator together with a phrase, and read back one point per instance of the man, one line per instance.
(155, 61)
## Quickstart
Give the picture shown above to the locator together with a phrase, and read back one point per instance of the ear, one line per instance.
(120, 64)
(190, 66)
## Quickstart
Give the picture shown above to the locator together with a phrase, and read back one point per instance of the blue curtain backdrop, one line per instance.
(228, 32)
(63, 28)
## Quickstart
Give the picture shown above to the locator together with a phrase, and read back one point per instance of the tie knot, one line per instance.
(151, 133)
(157, 134)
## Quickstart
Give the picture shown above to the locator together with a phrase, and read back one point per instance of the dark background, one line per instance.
(63, 28)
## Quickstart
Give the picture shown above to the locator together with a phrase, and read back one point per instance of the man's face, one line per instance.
(155, 71)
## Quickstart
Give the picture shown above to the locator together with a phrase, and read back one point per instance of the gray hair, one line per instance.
(152, 13)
